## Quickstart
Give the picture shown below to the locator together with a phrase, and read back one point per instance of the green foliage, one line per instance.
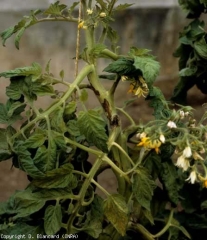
(64, 147)
(143, 187)
(92, 126)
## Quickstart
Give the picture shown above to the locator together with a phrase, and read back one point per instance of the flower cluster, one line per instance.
(138, 87)
(183, 161)
(149, 143)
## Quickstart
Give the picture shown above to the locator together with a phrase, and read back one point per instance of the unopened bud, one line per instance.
(102, 14)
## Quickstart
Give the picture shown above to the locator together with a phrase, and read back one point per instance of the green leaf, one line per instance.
(176, 224)
(122, 7)
(11, 112)
(71, 9)
(204, 205)
(169, 177)
(18, 37)
(121, 66)
(97, 49)
(55, 9)
(149, 67)
(47, 68)
(20, 228)
(42, 90)
(201, 48)
(138, 52)
(112, 36)
(22, 205)
(143, 187)
(14, 108)
(57, 122)
(116, 211)
(148, 215)
(35, 194)
(92, 126)
(27, 163)
(188, 71)
(7, 34)
(20, 27)
(59, 139)
(45, 157)
(73, 128)
(52, 219)
(62, 74)
(93, 228)
(35, 140)
(14, 91)
(5, 153)
(35, 70)
(3, 114)
(70, 108)
(58, 178)
(84, 95)
(102, 4)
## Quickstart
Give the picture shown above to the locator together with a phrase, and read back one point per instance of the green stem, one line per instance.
(141, 156)
(90, 150)
(166, 227)
(139, 228)
(111, 54)
(83, 191)
(117, 169)
(100, 187)
(83, 73)
(125, 154)
(55, 19)
(127, 115)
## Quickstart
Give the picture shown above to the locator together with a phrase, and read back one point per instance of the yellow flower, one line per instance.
(205, 183)
(89, 11)
(203, 180)
(155, 145)
(139, 87)
(80, 25)
(147, 143)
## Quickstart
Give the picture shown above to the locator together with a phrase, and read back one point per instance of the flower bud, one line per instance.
(171, 124)
(187, 152)
(102, 14)
(192, 178)
(143, 135)
(182, 114)
(162, 138)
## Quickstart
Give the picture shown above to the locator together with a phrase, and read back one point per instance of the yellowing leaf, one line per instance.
(116, 211)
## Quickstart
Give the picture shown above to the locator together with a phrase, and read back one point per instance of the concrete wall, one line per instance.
(19, 5)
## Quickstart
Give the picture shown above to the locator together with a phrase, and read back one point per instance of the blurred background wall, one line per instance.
(151, 24)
